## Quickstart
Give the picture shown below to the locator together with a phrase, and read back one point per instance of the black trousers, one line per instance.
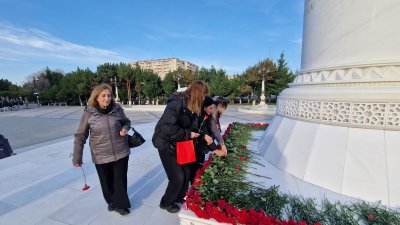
(194, 166)
(114, 182)
(178, 178)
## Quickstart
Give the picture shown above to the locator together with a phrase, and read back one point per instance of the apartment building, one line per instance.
(163, 66)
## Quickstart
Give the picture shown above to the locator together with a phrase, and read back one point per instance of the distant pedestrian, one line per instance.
(107, 124)
(5, 148)
(178, 123)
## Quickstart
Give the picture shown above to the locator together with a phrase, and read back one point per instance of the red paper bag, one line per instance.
(185, 152)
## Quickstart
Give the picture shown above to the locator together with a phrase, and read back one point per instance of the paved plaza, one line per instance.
(39, 185)
(28, 127)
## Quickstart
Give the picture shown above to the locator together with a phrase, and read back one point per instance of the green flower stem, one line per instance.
(84, 175)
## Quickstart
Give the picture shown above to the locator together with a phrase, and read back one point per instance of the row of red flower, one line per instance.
(222, 211)
(256, 125)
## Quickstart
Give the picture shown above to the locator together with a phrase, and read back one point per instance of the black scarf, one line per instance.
(106, 110)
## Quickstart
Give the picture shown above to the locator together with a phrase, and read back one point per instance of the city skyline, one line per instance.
(230, 35)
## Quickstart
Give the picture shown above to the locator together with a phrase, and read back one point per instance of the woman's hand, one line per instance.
(194, 135)
(208, 139)
(223, 148)
(219, 153)
(76, 165)
(123, 132)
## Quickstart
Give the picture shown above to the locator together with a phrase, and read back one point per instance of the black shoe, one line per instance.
(163, 207)
(111, 207)
(123, 212)
(173, 208)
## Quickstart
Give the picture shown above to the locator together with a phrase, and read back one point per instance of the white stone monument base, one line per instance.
(356, 162)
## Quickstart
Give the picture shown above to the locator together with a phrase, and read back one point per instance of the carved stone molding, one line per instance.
(353, 114)
(346, 76)
(346, 84)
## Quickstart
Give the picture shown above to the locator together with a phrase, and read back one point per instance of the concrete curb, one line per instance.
(254, 111)
(151, 108)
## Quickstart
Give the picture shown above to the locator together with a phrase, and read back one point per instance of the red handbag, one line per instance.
(185, 152)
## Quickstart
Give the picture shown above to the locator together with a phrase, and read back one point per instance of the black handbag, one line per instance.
(135, 139)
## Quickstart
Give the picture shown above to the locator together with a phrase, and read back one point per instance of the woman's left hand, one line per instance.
(123, 132)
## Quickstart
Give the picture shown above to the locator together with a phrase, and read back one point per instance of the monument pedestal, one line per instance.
(338, 124)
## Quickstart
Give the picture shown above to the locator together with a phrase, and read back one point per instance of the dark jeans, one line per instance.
(113, 181)
(194, 166)
(178, 178)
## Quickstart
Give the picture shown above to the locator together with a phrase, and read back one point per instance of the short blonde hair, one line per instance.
(96, 92)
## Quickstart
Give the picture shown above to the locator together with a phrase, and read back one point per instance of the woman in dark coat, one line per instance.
(178, 123)
(209, 132)
(108, 126)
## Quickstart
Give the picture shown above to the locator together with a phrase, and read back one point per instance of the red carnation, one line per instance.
(231, 210)
(201, 213)
(197, 182)
(235, 211)
(238, 169)
(371, 217)
(222, 203)
(240, 158)
(243, 217)
(209, 205)
(85, 188)
(215, 211)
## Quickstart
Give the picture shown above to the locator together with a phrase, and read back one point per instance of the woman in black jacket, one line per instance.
(209, 132)
(178, 123)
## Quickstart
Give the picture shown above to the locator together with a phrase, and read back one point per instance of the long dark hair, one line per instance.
(221, 101)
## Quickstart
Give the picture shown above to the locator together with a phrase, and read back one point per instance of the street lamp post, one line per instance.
(36, 92)
(116, 88)
(263, 72)
(141, 83)
(179, 83)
